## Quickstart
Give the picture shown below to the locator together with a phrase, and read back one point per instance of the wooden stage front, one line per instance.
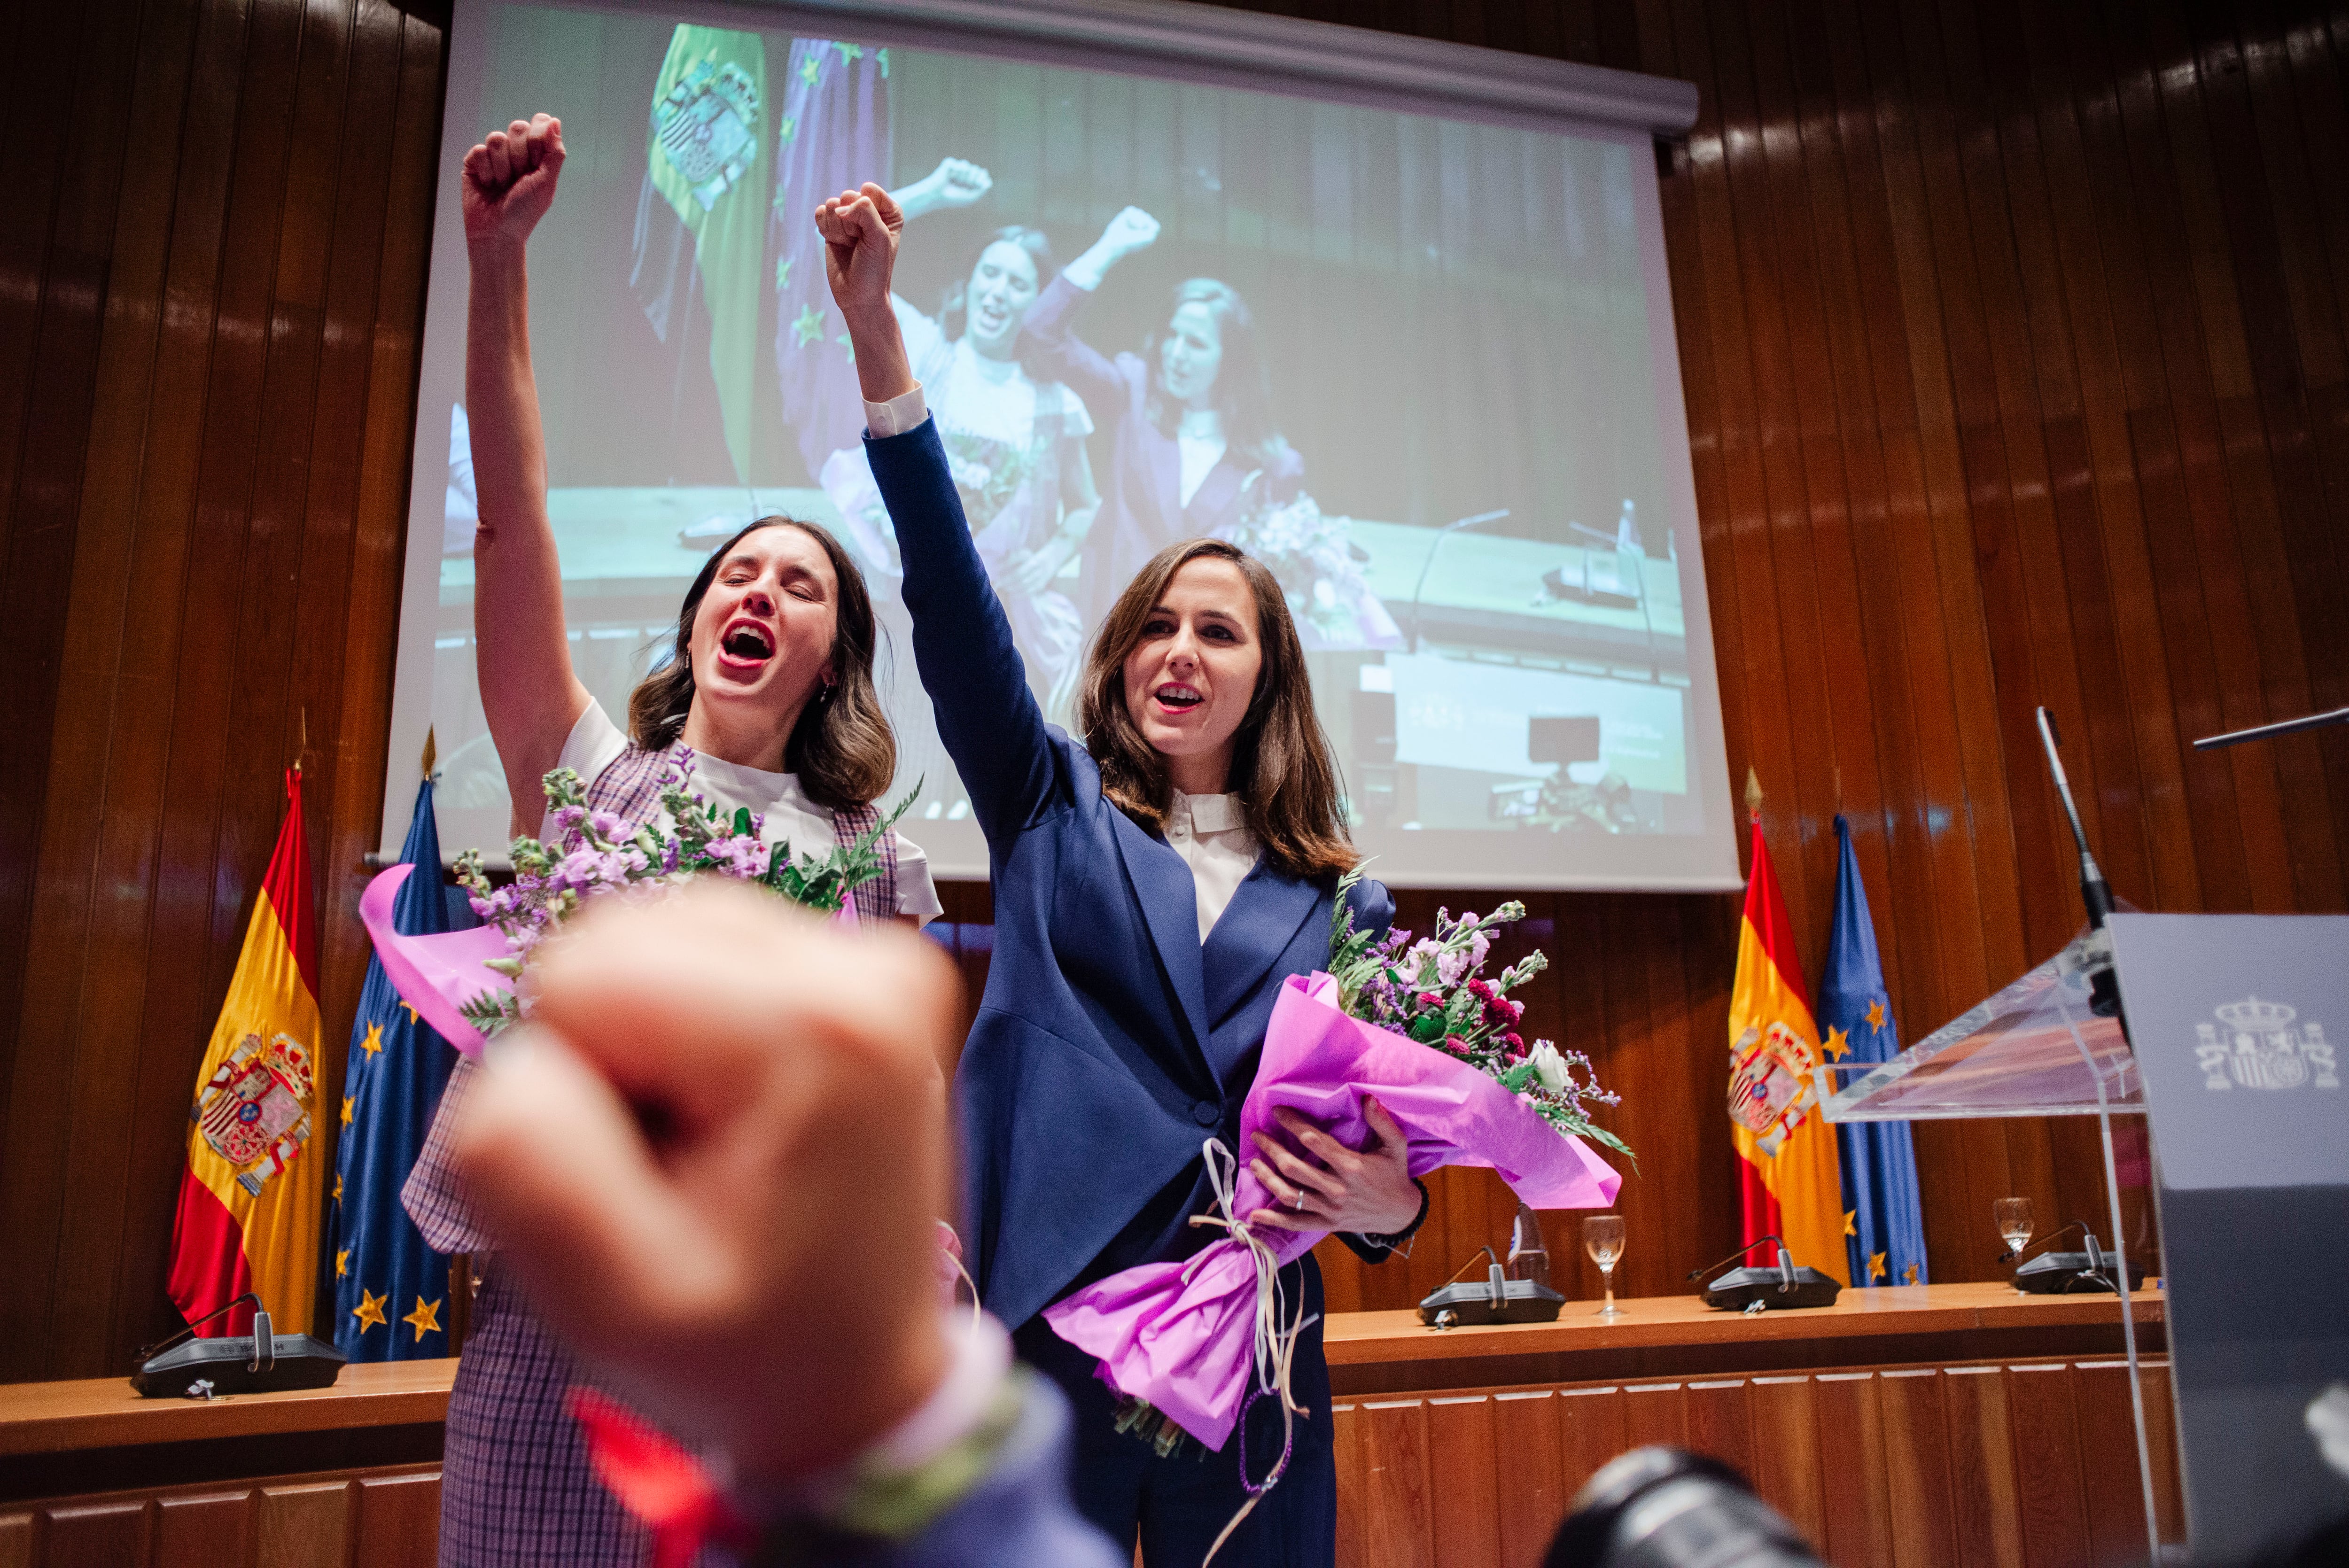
(1932, 1424)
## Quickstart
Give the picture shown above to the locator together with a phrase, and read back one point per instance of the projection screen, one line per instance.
(1452, 421)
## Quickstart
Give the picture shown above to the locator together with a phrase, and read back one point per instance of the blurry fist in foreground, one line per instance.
(717, 1152)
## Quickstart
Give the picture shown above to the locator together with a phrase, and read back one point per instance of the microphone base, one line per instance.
(1740, 1288)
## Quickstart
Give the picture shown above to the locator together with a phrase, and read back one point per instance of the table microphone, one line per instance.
(2071, 1274)
(1763, 1289)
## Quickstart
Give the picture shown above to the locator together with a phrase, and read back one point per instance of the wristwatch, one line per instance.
(1401, 1239)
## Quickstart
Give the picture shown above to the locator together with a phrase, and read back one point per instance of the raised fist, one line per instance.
(860, 230)
(957, 182)
(1131, 230)
(507, 181)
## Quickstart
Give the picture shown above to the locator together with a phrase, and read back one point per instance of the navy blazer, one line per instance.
(1111, 1042)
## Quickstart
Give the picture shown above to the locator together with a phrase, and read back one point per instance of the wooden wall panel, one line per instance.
(1861, 1459)
(2015, 346)
(387, 1518)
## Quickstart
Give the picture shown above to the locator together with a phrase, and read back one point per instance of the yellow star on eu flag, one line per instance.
(342, 1263)
(373, 1044)
(424, 1317)
(807, 326)
(808, 70)
(347, 1110)
(1837, 1042)
(369, 1311)
(1851, 1221)
(1876, 1269)
(413, 1015)
(339, 1189)
(1912, 1274)
(1875, 1014)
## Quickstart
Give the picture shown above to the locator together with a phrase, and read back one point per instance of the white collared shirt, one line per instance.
(1210, 832)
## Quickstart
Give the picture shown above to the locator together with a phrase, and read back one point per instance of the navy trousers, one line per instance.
(1176, 1506)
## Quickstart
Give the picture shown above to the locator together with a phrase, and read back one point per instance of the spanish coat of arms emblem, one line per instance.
(2254, 1043)
(706, 125)
(254, 1110)
(1770, 1075)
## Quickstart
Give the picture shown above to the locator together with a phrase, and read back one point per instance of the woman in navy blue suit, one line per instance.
(1153, 886)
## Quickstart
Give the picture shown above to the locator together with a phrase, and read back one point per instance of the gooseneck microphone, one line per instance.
(2104, 990)
(1785, 1263)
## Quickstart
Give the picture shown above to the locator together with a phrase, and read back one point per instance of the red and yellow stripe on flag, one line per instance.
(1773, 1055)
(250, 1204)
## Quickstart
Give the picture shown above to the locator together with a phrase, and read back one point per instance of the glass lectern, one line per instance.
(2035, 1049)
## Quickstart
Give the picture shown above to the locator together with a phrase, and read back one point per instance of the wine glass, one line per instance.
(1602, 1238)
(2014, 1222)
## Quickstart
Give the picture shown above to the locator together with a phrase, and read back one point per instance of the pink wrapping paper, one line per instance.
(434, 975)
(438, 974)
(1181, 1334)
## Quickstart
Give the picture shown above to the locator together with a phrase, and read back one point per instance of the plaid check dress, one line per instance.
(515, 1488)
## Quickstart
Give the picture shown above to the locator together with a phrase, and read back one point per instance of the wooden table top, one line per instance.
(106, 1412)
(1357, 1338)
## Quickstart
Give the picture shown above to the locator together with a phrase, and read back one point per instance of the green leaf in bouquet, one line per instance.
(1427, 1028)
(743, 821)
(1517, 1077)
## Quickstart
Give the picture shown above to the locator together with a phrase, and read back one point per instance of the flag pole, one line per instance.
(431, 754)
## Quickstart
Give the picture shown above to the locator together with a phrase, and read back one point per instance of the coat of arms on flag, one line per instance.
(706, 126)
(254, 1110)
(1770, 1077)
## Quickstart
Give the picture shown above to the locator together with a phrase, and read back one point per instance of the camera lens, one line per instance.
(1661, 1508)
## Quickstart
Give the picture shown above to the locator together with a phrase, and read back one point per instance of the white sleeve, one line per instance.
(918, 893)
(593, 744)
(898, 414)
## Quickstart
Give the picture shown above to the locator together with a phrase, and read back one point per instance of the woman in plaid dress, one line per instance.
(770, 688)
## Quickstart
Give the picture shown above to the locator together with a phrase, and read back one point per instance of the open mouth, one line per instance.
(1176, 697)
(747, 642)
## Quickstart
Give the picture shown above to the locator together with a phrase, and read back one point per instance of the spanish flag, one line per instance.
(1773, 1107)
(250, 1204)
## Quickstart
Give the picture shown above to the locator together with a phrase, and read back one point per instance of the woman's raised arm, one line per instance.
(962, 643)
(529, 693)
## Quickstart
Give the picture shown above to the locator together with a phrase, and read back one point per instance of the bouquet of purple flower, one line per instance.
(1413, 1023)
(1432, 990)
(462, 983)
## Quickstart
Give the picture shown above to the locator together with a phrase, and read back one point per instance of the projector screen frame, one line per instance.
(1175, 40)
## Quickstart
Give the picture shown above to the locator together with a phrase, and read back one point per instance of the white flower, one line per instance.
(1549, 1067)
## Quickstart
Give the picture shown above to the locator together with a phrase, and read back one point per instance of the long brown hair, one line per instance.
(1282, 767)
(842, 748)
(1242, 389)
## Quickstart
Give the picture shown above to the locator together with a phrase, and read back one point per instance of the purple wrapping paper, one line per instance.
(435, 976)
(1181, 1334)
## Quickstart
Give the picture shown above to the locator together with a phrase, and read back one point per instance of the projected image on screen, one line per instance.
(1410, 363)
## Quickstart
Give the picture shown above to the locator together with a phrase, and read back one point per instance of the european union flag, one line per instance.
(1884, 1228)
(392, 1291)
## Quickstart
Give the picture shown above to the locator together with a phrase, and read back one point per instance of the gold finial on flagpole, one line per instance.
(431, 754)
(1753, 790)
(303, 747)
